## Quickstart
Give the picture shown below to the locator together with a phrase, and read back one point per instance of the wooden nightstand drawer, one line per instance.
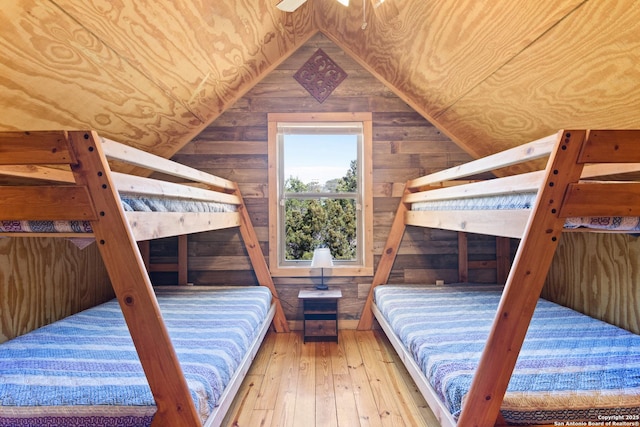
(321, 328)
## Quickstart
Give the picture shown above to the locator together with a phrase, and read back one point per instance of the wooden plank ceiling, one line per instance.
(490, 74)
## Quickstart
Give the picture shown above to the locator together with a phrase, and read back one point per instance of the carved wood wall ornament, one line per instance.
(320, 75)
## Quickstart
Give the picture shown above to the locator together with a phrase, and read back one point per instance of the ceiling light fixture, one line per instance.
(364, 15)
(291, 5)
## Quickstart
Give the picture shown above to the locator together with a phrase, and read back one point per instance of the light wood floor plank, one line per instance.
(244, 403)
(379, 381)
(408, 391)
(357, 382)
(284, 410)
(305, 407)
(326, 401)
(275, 365)
(263, 357)
(346, 409)
(259, 417)
(365, 403)
(339, 364)
(406, 397)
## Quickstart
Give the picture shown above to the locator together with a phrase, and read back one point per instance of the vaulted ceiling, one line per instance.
(491, 74)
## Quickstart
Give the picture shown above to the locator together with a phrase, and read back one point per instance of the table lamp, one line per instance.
(322, 259)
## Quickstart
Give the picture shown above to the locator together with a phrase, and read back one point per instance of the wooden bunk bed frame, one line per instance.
(563, 190)
(80, 185)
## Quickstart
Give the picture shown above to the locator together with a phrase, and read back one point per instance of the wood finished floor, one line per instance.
(359, 381)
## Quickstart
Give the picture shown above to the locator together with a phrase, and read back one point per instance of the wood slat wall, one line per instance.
(405, 146)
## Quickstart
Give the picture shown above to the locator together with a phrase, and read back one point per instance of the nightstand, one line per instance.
(320, 314)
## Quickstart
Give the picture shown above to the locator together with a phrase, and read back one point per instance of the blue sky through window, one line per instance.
(318, 157)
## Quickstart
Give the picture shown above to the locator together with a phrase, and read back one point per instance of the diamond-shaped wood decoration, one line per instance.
(320, 75)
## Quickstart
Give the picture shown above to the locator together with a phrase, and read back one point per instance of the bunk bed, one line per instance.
(64, 184)
(587, 184)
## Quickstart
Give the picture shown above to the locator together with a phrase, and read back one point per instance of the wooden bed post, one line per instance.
(259, 264)
(183, 260)
(524, 284)
(503, 249)
(181, 266)
(386, 262)
(145, 251)
(132, 286)
(463, 257)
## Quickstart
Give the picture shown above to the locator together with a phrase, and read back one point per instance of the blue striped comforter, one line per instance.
(130, 203)
(84, 370)
(571, 367)
(526, 201)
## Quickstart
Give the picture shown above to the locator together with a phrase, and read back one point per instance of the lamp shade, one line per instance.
(321, 258)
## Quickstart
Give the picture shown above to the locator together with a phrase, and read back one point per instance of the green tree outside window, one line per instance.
(330, 222)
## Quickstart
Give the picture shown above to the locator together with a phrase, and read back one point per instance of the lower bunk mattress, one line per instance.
(84, 371)
(571, 367)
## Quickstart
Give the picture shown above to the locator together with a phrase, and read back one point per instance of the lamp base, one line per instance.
(322, 287)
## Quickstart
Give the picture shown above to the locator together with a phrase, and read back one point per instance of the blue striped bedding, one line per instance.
(130, 203)
(84, 370)
(517, 201)
(571, 367)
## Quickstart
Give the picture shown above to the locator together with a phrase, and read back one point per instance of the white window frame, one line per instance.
(363, 266)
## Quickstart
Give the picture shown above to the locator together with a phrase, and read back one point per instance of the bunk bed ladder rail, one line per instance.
(383, 270)
(259, 264)
(132, 286)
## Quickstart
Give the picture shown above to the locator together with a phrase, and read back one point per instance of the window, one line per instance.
(320, 192)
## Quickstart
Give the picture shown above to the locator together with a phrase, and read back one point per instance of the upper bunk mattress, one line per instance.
(517, 201)
(84, 370)
(130, 203)
(571, 367)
